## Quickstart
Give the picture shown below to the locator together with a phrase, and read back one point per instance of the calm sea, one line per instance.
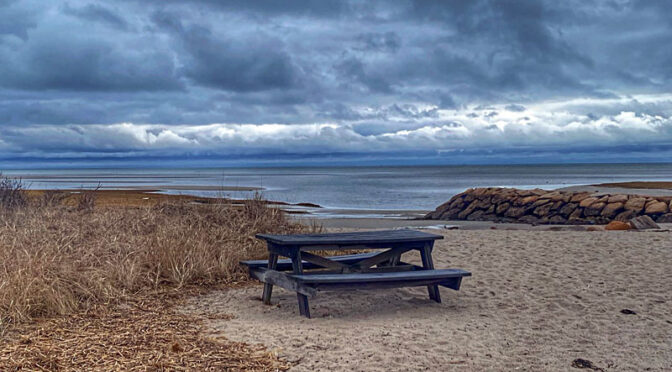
(362, 188)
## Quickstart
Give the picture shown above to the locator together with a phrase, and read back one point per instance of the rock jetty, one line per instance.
(550, 207)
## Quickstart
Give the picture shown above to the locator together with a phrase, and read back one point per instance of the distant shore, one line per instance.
(148, 195)
(653, 188)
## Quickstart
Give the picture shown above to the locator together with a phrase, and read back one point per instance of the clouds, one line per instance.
(380, 76)
(544, 128)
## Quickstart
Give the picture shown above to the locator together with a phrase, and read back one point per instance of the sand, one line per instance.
(537, 300)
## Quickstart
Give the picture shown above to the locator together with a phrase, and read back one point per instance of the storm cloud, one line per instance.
(467, 79)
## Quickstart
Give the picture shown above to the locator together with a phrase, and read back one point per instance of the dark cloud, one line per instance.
(377, 66)
(378, 42)
(97, 13)
(15, 20)
(514, 107)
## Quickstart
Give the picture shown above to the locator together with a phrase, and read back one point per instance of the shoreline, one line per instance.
(337, 217)
(151, 196)
(645, 188)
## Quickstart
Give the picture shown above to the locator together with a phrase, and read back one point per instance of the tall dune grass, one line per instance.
(56, 259)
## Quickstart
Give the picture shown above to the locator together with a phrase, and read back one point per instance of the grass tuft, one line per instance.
(59, 259)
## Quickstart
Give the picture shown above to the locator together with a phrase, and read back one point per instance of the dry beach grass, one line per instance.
(83, 267)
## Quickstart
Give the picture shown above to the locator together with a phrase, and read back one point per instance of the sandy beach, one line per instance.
(537, 300)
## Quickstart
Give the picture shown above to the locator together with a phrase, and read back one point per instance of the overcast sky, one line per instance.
(362, 82)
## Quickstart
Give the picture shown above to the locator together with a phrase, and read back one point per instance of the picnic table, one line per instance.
(306, 272)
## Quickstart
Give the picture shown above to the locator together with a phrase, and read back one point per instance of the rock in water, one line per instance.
(643, 223)
(618, 225)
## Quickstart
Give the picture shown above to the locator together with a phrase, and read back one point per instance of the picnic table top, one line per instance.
(363, 237)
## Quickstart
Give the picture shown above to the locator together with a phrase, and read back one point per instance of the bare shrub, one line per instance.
(55, 260)
(12, 193)
(51, 198)
(86, 199)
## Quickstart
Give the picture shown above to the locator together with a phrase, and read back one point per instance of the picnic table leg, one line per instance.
(394, 261)
(297, 266)
(268, 288)
(428, 264)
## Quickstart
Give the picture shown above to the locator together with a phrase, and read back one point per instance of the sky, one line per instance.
(207, 82)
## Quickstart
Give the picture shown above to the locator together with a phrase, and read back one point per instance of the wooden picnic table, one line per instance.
(306, 273)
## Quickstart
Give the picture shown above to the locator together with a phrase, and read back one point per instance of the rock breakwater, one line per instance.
(550, 207)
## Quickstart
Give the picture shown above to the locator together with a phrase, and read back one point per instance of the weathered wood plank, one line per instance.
(428, 264)
(388, 269)
(382, 257)
(286, 263)
(297, 264)
(453, 283)
(364, 237)
(282, 280)
(268, 287)
(382, 276)
(323, 262)
(371, 269)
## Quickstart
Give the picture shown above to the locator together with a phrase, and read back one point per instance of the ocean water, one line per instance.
(356, 188)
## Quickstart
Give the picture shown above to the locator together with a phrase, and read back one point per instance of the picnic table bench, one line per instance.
(306, 273)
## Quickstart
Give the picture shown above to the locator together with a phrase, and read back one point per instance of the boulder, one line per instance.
(475, 216)
(543, 210)
(635, 204)
(479, 191)
(557, 219)
(517, 201)
(599, 220)
(576, 198)
(557, 196)
(457, 203)
(540, 202)
(664, 218)
(451, 214)
(655, 207)
(595, 209)
(587, 201)
(610, 210)
(515, 212)
(484, 203)
(620, 198)
(625, 216)
(468, 210)
(532, 220)
(489, 217)
(578, 212)
(567, 209)
(524, 193)
(529, 199)
(578, 221)
(618, 225)
(603, 199)
(643, 223)
(502, 208)
(540, 206)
